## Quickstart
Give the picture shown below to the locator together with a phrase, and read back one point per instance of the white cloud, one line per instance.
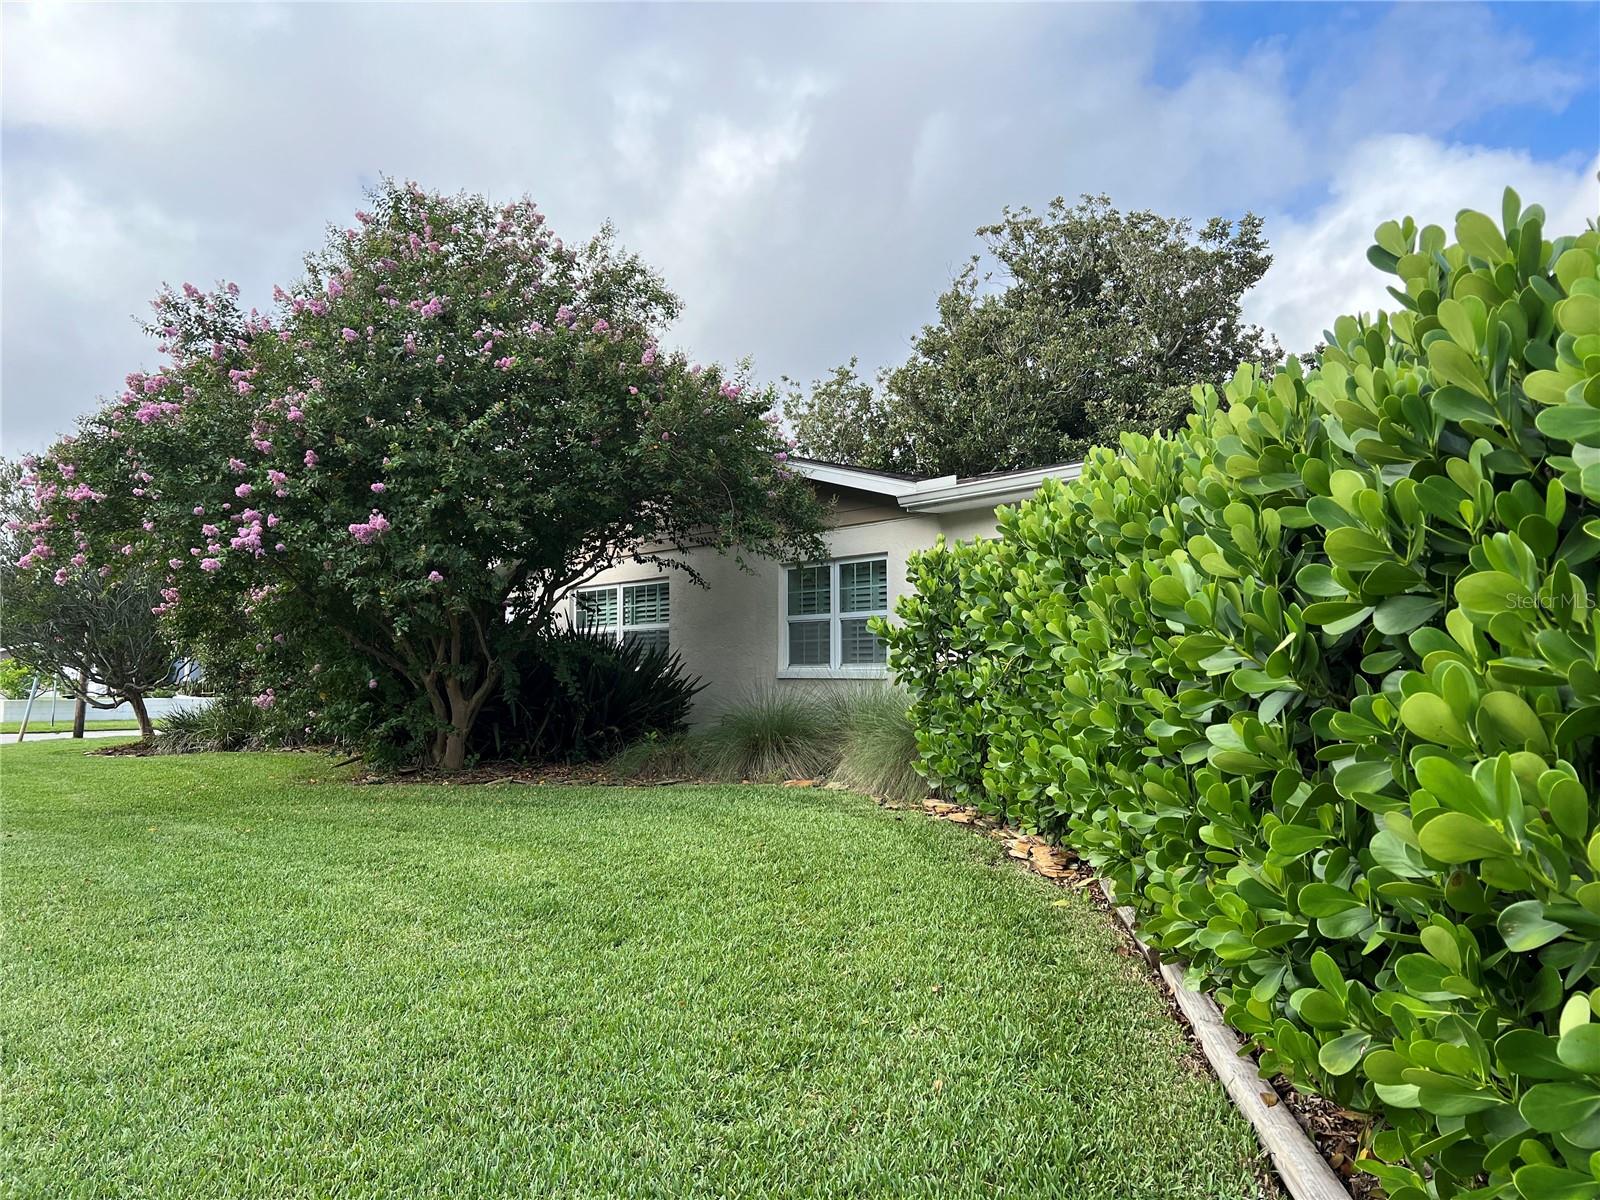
(806, 178)
(1320, 269)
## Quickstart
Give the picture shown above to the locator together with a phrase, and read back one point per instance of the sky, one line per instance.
(807, 178)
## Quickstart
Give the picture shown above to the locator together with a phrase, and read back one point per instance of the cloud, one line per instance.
(1320, 270)
(806, 178)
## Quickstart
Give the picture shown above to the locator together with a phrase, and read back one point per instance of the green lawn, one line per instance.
(236, 975)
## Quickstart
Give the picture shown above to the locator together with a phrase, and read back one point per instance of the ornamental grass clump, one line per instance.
(1314, 683)
(774, 735)
(878, 744)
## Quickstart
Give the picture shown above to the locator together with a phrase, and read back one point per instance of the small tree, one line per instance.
(74, 622)
(1100, 323)
(452, 420)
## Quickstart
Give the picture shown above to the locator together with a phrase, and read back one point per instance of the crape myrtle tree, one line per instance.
(1074, 325)
(77, 622)
(383, 489)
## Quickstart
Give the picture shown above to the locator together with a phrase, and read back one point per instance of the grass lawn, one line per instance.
(235, 975)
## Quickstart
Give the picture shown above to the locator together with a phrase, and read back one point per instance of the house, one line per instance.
(799, 625)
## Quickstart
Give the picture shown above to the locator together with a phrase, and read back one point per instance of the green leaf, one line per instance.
(1570, 423)
(1480, 237)
(1356, 549)
(1579, 1049)
(1431, 718)
(1402, 614)
(1326, 900)
(1291, 841)
(1491, 592)
(1555, 1107)
(1510, 719)
(1455, 366)
(1541, 1181)
(1524, 927)
(1343, 1053)
(1455, 837)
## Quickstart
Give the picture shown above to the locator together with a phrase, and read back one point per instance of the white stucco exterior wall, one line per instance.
(729, 632)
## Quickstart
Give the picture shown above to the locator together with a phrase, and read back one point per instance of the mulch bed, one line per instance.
(1336, 1132)
(125, 750)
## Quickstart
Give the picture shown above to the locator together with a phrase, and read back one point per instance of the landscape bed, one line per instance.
(238, 974)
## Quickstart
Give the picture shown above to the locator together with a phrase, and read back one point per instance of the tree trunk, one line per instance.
(80, 708)
(146, 730)
(450, 746)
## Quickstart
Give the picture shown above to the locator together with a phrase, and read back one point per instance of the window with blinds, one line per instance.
(637, 613)
(827, 607)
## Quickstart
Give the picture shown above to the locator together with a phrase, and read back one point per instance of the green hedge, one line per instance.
(1315, 683)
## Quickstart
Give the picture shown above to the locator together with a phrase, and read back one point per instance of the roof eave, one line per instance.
(955, 495)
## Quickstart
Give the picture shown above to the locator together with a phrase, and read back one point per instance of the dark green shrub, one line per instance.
(227, 723)
(1315, 684)
(575, 695)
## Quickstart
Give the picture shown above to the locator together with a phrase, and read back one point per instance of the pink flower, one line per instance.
(379, 488)
(372, 683)
(211, 564)
(237, 466)
(199, 510)
(435, 577)
(311, 458)
(243, 490)
(350, 335)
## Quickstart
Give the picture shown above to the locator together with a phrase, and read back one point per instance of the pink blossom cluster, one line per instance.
(368, 531)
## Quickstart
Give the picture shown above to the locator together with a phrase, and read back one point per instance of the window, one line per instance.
(636, 612)
(826, 607)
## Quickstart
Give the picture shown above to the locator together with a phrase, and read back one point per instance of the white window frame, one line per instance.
(834, 669)
(620, 630)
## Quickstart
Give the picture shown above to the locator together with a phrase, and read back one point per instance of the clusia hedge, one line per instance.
(1315, 684)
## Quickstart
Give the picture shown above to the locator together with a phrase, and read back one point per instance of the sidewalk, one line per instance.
(10, 739)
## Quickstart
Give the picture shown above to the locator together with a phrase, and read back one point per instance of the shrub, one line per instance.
(878, 744)
(228, 723)
(1314, 684)
(578, 695)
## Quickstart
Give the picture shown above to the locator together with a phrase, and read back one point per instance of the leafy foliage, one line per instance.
(74, 622)
(583, 695)
(228, 723)
(1101, 323)
(1315, 684)
(451, 419)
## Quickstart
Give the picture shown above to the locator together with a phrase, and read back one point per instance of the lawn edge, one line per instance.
(1300, 1164)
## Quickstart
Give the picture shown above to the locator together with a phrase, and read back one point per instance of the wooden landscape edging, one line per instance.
(1300, 1166)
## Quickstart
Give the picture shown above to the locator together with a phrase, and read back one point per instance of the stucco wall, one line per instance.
(728, 632)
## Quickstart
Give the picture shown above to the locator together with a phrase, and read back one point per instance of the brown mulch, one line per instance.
(1336, 1132)
(124, 750)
